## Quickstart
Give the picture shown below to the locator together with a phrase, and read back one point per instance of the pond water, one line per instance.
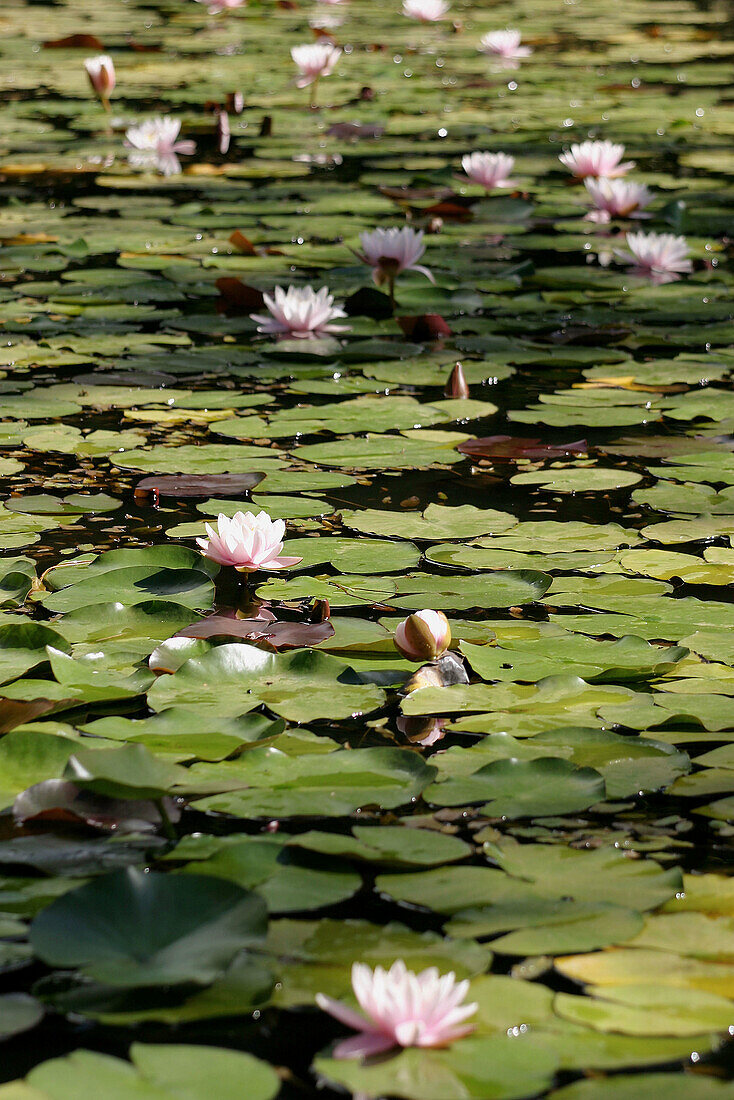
(222, 789)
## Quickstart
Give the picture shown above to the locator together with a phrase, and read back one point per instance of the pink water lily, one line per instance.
(302, 313)
(616, 198)
(247, 542)
(504, 44)
(426, 11)
(595, 158)
(154, 145)
(423, 636)
(314, 61)
(217, 6)
(326, 20)
(663, 257)
(390, 251)
(489, 170)
(101, 73)
(401, 1009)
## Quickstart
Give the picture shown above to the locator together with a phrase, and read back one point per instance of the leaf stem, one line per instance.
(166, 823)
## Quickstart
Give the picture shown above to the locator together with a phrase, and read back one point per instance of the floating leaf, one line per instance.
(133, 929)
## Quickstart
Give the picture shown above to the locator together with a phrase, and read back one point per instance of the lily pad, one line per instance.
(131, 929)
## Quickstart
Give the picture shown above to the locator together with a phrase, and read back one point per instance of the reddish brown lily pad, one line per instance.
(196, 485)
(61, 801)
(428, 326)
(75, 42)
(16, 712)
(272, 635)
(237, 298)
(244, 244)
(512, 447)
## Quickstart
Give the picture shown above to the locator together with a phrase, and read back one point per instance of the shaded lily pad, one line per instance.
(520, 788)
(155, 1070)
(309, 785)
(185, 929)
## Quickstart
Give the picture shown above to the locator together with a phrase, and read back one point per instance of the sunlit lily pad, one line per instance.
(253, 676)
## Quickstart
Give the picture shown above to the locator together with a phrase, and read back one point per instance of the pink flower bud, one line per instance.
(223, 132)
(101, 73)
(423, 636)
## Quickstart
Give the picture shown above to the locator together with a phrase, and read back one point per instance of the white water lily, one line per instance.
(302, 313)
(314, 61)
(390, 251)
(489, 170)
(153, 144)
(504, 44)
(596, 158)
(426, 11)
(247, 542)
(616, 198)
(661, 256)
(217, 6)
(401, 1009)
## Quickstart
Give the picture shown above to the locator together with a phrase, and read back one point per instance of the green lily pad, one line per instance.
(311, 785)
(132, 929)
(523, 788)
(232, 679)
(486, 1068)
(435, 523)
(648, 1086)
(379, 452)
(591, 479)
(160, 1071)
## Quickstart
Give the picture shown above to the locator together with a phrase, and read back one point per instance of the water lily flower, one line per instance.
(326, 21)
(661, 256)
(596, 158)
(101, 73)
(300, 313)
(489, 170)
(401, 1009)
(426, 11)
(314, 61)
(616, 198)
(216, 6)
(247, 542)
(154, 145)
(224, 132)
(390, 251)
(504, 44)
(423, 636)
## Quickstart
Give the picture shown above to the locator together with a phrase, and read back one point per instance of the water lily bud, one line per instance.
(223, 132)
(320, 612)
(457, 385)
(423, 636)
(235, 103)
(101, 73)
